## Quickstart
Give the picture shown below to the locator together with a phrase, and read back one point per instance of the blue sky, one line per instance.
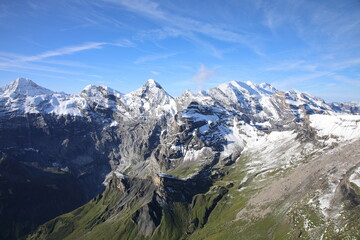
(311, 46)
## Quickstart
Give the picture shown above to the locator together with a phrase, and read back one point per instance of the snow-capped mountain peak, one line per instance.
(247, 88)
(152, 83)
(24, 87)
(103, 91)
(151, 89)
(24, 96)
(151, 96)
(238, 93)
(267, 88)
(88, 87)
(259, 102)
(312, 103)
(294, 92)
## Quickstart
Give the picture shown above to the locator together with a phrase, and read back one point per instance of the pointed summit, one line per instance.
(151, 97)
(24, 87)
(150, 88)
(151, 83)
(88, 87)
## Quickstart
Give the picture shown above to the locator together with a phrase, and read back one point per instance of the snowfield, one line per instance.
(344, 127)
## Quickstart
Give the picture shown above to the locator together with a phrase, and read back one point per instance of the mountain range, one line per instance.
(238, 161)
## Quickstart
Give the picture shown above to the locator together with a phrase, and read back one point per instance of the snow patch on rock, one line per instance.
(355, 177)
(345, 127)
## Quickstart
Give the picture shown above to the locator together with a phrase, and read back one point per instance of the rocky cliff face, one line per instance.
(163, 159)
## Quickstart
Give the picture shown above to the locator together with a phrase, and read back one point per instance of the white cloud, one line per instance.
(155, 73)
(202, 76)
(63, 51)
(347, 80)
(185, 26)
(12, 59)
(150, 58)
(18, 63)
(123, 43)
(299, 78)
(341, 65)
(299, 65)
(24, 67)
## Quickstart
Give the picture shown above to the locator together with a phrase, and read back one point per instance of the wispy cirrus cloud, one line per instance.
(170, 32)
(347, 80)
(320, 26)
(345, 64)
(83, 14)
(185, 26)
(299, 65)
(331, 68)
(299, 78)
(10, 57)
(44, 61)
(150, 58)
(63, 51)
(25, 67)
(302, 73)
(155, 73)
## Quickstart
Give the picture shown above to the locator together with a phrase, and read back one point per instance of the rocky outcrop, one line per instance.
(349, 190)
